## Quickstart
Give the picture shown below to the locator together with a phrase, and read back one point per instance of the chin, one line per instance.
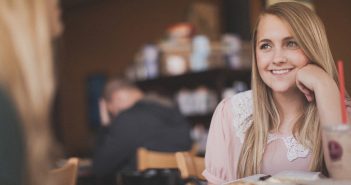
(281, 88)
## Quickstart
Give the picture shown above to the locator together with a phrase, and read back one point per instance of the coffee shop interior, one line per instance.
(189, 53)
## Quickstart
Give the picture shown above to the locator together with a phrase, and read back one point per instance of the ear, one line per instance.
(109, 106)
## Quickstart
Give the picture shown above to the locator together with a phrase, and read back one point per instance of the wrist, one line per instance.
(326, 85)
(328, 102)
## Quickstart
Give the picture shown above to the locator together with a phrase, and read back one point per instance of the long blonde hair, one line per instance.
(26, 74)
(309, 31)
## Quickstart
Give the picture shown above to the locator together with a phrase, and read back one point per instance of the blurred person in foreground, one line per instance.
(26, 89)
(136, 121)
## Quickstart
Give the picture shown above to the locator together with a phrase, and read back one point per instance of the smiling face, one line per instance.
(278, 55)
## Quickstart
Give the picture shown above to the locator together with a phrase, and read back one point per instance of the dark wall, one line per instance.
(336, 16)
(102, 36)
(236, 17)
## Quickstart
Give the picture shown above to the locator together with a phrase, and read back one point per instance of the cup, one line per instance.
(338, 157)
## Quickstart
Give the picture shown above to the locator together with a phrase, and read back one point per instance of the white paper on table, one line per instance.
(252, 178)
(299, 175)
(289, 175)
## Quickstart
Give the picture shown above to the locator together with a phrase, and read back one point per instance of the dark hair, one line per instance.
(116, 85)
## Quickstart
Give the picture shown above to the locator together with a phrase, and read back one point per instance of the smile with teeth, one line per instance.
(280, 71)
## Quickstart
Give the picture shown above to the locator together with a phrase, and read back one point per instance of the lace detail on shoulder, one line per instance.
(271, 137)
(242, 113)
(294, 148)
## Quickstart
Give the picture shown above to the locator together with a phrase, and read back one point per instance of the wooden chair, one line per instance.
(152, 159)
(190, 165)
(67, 174)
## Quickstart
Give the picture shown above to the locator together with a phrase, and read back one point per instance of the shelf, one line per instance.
(214, 78)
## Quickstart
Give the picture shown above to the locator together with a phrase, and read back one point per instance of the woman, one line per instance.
(26, 89)
(277, 125)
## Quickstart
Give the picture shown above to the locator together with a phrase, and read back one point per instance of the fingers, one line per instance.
(307, 92)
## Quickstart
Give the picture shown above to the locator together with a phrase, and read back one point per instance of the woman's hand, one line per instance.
(310, 78)
(317, 85)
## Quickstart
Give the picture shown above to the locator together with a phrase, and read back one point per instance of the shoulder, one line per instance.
(140, 108)
(242, 105)
(236, 110)
(239, 106)
(153, 108)
(243, 101)
(226, 135)
(238, 103)
(145, 109)
(147, 112)
(242, 108)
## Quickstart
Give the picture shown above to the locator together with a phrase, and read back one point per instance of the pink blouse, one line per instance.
(226, 135)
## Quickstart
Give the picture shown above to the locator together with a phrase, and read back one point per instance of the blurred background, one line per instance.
(193, 51)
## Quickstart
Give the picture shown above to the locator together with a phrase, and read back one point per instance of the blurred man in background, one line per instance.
(131, 120)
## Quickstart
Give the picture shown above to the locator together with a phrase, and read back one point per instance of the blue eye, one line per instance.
(292, 44)
(265, 46)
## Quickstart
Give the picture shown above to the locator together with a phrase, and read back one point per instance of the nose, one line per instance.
(279, 57)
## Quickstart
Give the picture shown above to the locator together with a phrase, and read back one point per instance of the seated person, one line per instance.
(136, 121)
(276, 126)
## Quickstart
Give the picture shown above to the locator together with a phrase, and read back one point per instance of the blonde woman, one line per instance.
(277, 125)
(26, 89)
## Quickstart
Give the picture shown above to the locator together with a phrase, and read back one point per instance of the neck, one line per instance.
(138, 96)
(290, 107)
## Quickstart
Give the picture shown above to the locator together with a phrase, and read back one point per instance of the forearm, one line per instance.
(328, 102)
(329, 109)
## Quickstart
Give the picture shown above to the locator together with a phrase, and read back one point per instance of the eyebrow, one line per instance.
(284, 39)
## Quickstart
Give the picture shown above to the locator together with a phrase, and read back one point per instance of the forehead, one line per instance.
(120, 93)
(272, 27)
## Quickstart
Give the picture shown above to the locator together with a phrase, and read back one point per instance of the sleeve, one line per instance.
(219, 159)
(11, 144)
(348, 109)
(117, 146)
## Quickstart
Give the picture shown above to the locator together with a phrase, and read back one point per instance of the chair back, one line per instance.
(67, 174)
(153, 159)
(190, 165)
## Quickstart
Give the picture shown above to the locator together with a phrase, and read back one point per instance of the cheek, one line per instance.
(299, 58)
(263, 60)
(262, 73)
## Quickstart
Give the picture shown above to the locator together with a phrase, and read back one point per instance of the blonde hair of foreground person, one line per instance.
(309, 31)
(27, 74)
